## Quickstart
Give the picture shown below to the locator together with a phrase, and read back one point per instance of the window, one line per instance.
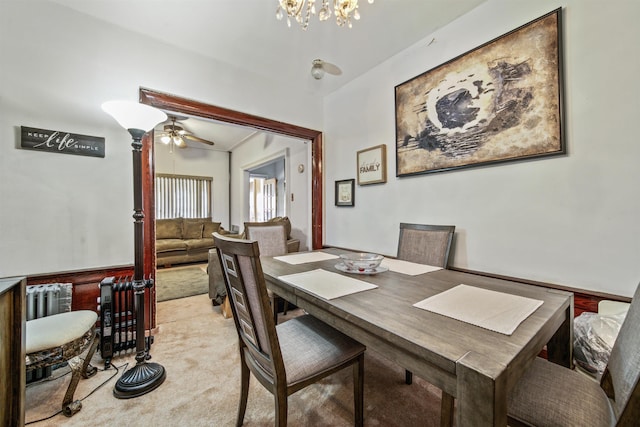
(183, 196)
(262, 198)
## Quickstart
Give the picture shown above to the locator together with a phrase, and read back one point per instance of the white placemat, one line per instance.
(487, 309)
(406, 267)
(326, 284)
(304, 257)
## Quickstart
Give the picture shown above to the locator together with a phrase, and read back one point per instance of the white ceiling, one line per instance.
(246, 34)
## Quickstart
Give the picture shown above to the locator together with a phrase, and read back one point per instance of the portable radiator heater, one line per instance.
(118, 318)
(45, 300)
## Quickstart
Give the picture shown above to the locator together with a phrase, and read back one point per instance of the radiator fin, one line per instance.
(117, 318)
(46, 300)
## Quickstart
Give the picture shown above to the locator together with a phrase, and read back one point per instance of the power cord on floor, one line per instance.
(117, 368)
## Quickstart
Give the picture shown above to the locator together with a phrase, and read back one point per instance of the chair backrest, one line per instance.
(247, 290)
(425, 244)
(271, 237)
(621, 378)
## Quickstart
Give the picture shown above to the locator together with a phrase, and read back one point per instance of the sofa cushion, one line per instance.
(199, 243)
(169, 228)
(192, 230)
(168, 245)
(210, 228)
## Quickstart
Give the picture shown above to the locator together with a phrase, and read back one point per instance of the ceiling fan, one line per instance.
(319, 67)
(173, 134)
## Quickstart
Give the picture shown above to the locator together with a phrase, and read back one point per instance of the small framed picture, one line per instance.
(345, 192)
(372, 165)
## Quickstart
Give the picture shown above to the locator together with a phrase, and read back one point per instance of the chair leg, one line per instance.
(358, 391)
(408, 377)
(280, 397)
(446, 410)
(244, 389)
(274, 306)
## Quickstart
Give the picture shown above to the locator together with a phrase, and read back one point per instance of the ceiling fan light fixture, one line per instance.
(316, 69)
(165, 139)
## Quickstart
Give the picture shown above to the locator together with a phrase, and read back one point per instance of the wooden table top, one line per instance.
(433, 346)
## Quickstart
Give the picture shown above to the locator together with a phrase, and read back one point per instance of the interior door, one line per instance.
(270, 198)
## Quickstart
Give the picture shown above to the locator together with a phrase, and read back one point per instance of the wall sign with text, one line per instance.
(372, 165)
(56, 141)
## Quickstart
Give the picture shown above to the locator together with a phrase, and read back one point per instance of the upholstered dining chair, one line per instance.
(551, 395)
(425, 244)
(285, 358)
(272, 239)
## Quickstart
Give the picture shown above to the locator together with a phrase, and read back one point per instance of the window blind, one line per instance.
(183, 196)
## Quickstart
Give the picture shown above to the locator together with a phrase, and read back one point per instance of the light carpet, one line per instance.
(180, 282)
(198, 349)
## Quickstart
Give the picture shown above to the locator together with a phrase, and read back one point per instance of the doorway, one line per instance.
(177, 104)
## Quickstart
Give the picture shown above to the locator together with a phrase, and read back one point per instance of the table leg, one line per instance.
(482, 392)
(560, 347)
(446, 410)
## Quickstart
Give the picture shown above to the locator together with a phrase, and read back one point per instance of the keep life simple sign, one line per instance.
(56, 141)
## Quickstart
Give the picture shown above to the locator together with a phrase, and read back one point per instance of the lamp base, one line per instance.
(139, 380)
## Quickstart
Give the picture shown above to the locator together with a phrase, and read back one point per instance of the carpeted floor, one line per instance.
(181, 281)
(198, 349)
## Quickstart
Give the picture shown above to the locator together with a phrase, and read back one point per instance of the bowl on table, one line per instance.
(361, 261)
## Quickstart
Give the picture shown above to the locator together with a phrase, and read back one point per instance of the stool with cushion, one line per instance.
(60, 338)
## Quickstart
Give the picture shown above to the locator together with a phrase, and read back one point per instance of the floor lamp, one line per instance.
(138, 119)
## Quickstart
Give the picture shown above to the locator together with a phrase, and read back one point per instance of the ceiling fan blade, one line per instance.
(331, 68)
(172, 118)
(197, 139)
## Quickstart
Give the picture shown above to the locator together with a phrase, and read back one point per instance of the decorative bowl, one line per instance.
(361, 261)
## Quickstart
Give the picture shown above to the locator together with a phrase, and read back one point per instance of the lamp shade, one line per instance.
(132, 115)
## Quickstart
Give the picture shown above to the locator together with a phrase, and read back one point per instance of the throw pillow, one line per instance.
(193, 230)
(210, 228)
(169, 228)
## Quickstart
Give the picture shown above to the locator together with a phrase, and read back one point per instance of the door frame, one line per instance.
(169, 102)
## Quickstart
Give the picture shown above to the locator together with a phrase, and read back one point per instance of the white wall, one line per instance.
(263, 148)
(570, 220)
(61, 212)
(200, 162)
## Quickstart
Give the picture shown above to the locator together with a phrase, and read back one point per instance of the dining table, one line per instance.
(401, 313)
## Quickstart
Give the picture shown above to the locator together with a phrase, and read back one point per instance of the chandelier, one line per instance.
(301, 11)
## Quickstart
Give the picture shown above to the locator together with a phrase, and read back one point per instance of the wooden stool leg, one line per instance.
(78, 369)
(87, 369)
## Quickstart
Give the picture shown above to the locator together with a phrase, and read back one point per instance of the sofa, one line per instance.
(183, 240)
(217, 290)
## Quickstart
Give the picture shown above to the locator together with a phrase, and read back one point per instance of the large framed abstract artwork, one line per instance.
(499, 102)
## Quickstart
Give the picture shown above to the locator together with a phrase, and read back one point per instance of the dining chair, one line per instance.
(551, 395)
(272, 239)
(288, 357)
(425, 244)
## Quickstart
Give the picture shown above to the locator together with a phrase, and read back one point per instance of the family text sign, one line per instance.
(372, 165)
(56, 141)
